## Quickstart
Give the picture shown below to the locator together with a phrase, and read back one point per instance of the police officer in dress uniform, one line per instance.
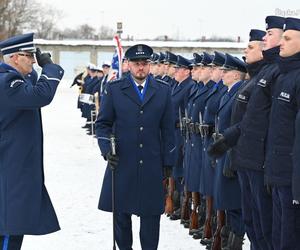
(279, 165)
(25, 206)
(249, 152)
(136, 109)
(172, 195)
(226, 191)
(161, 66)
(185, 208)
(180, 92)
(170, 63)
(153, 64)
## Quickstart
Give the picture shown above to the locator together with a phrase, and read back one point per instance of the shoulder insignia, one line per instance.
(284, 97)
(262, 82)
(16, 83)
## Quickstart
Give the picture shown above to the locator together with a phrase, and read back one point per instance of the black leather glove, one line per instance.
(229, 173)
(218, 148)
(43, 58)
(167, 171)
(213, 162)
(112, 160)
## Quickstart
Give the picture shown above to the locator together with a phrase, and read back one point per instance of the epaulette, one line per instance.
(162, 82)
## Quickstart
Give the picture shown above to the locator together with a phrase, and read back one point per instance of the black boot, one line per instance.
(235, 242)
(225, 232)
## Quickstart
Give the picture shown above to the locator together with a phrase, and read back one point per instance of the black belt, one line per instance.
(207, 129)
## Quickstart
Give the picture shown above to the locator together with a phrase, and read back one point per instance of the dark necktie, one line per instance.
(140, 87)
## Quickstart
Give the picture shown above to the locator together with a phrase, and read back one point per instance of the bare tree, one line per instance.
(106, 32)
(86, 31)
(3, 8)
(44, 23)
(18, 15)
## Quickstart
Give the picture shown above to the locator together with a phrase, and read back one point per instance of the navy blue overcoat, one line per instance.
(144, 130)
(25, 206)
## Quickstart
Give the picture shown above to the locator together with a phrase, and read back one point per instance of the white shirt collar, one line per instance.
(143, 84)
(230, 87)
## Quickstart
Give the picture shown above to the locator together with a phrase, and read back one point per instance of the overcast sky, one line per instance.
(187, 19)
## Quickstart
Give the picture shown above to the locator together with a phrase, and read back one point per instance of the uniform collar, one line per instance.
(254, 68)
(8, 67)
(290, 63)
(271, 55)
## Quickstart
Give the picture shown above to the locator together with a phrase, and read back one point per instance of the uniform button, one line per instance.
(192, 144)
(141, 112)
(194, 105)
(141, 161)
(141, 128)
(205, 107)
(204, 149)
(141, 145)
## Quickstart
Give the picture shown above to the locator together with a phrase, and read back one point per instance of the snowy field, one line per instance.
(73, 171)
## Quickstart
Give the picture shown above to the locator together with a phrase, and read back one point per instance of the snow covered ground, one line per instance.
(73, 173)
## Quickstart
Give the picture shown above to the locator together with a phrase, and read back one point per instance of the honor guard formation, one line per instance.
(212, 142)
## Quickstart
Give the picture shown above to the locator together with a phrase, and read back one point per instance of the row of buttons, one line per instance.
(141, 129)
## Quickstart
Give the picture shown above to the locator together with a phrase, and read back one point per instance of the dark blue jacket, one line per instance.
(210, 112)
(145, 143)
(180, 95)
(254, 125)
(25, 206)
(239, 108)
(193, 148)
(227, 194)
(281, 137)
(296, 161)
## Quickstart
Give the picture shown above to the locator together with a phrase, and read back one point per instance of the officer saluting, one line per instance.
(137, 109)
(25, 206)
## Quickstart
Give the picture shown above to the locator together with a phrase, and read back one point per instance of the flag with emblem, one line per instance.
(116, 64)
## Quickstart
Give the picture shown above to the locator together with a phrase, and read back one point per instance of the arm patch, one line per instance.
(16, 83)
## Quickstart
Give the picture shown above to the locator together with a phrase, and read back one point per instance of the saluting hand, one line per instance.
(43, 58)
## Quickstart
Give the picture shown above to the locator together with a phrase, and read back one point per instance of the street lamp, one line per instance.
(119, 28)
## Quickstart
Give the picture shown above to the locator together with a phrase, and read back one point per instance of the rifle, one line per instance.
(113, 152)
(187, 124)
(201, 125)
(181, 125)
(216, 134)
(169, 206)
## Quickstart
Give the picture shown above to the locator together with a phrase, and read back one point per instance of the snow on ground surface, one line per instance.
(73, 172)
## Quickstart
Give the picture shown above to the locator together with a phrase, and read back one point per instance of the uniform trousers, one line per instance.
(286, 222)
(235, 221)
(11, 242)
(149, 231)
(256, 209)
